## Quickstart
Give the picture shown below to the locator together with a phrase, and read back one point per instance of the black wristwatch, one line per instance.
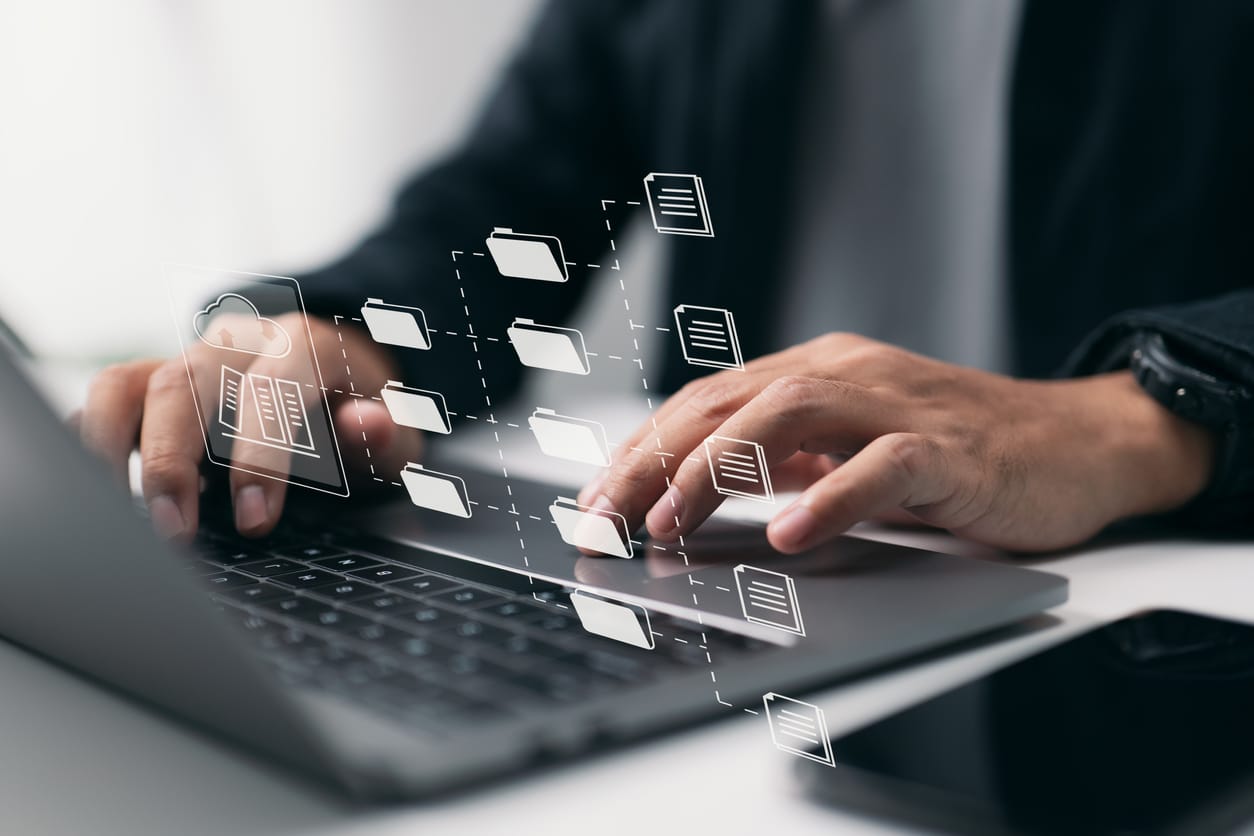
(1198, 395)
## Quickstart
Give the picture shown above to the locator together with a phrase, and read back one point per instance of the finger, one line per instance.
(633, 484)
(261, 461)
(801, 470)
(372, 442)
(792, 414)
(898, 470)
(109, 422)
(171, 448)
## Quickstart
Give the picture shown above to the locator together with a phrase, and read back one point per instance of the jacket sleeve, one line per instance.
(1217, 336)
(550, 143)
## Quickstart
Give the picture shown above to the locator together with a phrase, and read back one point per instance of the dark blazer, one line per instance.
(1131, 174)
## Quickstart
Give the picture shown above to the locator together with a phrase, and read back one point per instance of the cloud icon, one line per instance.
(233, 323)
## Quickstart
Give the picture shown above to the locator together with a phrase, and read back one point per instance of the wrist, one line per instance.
(1163, 461)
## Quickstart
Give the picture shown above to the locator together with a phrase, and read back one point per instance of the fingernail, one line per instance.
(604, 503)
(167, 519)
(590, 489)
(664, 518)
(794, 526)
(250, 508)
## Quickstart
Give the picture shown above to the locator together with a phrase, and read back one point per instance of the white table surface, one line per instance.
(75, 759)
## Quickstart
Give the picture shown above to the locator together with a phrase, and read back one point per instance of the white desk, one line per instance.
(75, 759)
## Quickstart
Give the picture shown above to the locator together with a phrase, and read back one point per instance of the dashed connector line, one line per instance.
(663, 457)
(491, 419)
(354, 394)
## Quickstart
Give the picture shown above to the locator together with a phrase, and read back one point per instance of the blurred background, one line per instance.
(256, 136)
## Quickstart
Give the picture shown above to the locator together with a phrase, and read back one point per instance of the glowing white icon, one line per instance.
(591, 528)
(738, 468)
(769, 598)
(627, 623)
(233, 323)
(573, 439)
(678, 205)
(278, 408)
(798, 728)
(549, 347)
(396, 324)
(525, 256)
(708, 337)
(436, 491)
(416, 408)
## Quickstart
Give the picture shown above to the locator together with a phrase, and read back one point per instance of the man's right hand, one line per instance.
(148, 403)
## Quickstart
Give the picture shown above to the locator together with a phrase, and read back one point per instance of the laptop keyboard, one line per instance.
(426, 647)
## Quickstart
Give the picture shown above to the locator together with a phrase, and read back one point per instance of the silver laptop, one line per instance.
(395, 652)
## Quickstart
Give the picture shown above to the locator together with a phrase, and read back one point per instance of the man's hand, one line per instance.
(872, 431)
(149, 403)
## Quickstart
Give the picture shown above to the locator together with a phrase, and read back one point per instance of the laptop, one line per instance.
(397, 653)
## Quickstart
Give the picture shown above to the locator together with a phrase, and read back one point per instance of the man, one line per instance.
(1078, 175)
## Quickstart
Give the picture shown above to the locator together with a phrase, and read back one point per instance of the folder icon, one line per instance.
(549, 347)
(574, 439)
(416, 408)
(396, 324)
(592, 529)
(525, 256)
(627, 623)
(436, 491)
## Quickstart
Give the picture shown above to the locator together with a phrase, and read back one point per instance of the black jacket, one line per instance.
(1131, 176)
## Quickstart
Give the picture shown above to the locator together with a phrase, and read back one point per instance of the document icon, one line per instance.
(436, 491)
(798, 728)
(708, 337)
(677, 202)
(587, 528)
(738, 468)
(416, 408)
(396, 324)
(525, 256)
(769, 598)
(627, 623)
(549, 347)
(569, 438)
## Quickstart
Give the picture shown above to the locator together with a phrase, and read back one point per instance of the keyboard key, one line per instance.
(560, 683)
(388, 603)
(332, 619)
(202, 567)
(228, 580)
(516, 610)
(414, 648)
(346, 590)
(345, 562)
(467, 597)
(269, 568)
(478, 631)
(426, 618)
(424, 584)
(307, 579)
(294, 606)
(234, 557)
(524, 650)
(386, 573)
(309, 551)
(255, 593)
(554, 622)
